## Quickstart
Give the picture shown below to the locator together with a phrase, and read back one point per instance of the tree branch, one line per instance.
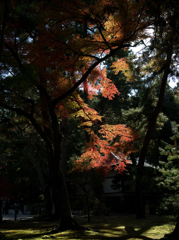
(4, 26)
(28, 100)
(32, 120)
(15, 55)
(87, 73)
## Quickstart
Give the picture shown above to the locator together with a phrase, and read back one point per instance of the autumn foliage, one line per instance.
(51, 51)
(110, 151)
(60, 49)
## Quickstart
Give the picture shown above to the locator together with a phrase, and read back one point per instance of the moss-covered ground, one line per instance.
(102, 227)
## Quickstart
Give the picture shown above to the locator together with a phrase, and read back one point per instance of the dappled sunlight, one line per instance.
(137, 229)
(120, 227)
(112, 232)
(101, 227)
(134, 238)
(22, 233)
(159, 231)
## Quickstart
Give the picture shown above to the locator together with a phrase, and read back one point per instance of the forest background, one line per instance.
(72, 91)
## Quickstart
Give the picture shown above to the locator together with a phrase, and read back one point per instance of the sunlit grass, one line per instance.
(104, 227)
(159, 231)
(18, 233)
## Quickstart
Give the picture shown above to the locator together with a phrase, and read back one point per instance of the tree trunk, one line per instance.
(66, 220)
(47, 128)
(53, 183)
(151, 126)
(54, 148)
(48, 200)
(64, 130)
(59, 188)
(175, 233)
(58, 184)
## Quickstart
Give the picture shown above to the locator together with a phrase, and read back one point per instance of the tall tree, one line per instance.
(168, 180)
(44, 51)
(165, 45)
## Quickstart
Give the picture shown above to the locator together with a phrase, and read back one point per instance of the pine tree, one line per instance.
(168, 182)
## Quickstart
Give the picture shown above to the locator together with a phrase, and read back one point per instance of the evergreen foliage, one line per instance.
(168, 181)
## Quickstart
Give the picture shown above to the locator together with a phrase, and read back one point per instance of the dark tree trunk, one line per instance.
(57, 207)
(48, 130)
(48, 200)
(64, 130)
(151, 126)
(54, 147)
(67, 221)
(175, 233)
(53, 169)
(59, 190)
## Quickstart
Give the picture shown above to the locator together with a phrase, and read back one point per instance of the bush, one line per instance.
(99, 207)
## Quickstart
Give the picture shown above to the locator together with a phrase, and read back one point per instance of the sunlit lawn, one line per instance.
(103, 227)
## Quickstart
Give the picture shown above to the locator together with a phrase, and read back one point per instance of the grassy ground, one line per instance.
(104, 227)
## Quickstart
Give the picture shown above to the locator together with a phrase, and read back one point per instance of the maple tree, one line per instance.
(44, 48)
(97, 151)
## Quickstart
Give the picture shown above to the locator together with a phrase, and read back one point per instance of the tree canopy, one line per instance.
(51, 51)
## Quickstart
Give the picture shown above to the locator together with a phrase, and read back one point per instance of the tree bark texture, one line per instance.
(55, 154)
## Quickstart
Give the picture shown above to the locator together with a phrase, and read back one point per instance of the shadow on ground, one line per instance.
(103, 227)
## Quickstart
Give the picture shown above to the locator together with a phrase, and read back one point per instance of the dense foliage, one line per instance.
(168, 181)
(55, 59)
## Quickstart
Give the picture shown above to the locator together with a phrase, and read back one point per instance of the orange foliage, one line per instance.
(72, 39)
(60, 47)
(116, 139)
